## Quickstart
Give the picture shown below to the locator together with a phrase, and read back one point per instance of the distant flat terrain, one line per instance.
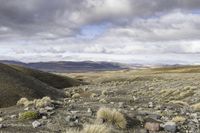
(70, 66)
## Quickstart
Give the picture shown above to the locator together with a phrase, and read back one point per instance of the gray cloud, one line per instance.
(52, 30)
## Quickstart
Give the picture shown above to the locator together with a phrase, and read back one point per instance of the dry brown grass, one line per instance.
(72, 131)
(24, 102)
(40, 103)
(96, 129)
(181, 103)
(76, 96)
(196, 107)
(179, 119)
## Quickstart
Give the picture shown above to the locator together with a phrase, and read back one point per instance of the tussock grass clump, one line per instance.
(104, 93)
(181, 103)
(76, 96)
(93, 95)
(91, 129)
(24, 102)
(196, 107)
(29, 115)
(111, 116)
(96, 129)
(102, 101)
(67, 94)
(40, 103)
(179, 119)
(72, 131)
(186, 94)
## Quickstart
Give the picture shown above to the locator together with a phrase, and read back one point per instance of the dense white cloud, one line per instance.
(126, 30)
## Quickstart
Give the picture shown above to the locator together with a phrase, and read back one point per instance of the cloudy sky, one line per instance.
(128, 31)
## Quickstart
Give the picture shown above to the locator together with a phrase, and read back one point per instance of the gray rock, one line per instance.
(150, 105)
(26, 109)
(170, 127)
(36, 124)
(121, 105)
(44, 117)
(1, 119)
(68, 118)
(151, 126)
(51, 113)
(13, 116)
(1, 126)
(42, 111)
(49, 108)
(89, 110)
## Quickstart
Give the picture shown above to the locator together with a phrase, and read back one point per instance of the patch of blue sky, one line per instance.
(92, 31)
(197, 11)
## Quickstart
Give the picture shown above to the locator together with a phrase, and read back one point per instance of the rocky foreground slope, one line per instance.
(148, 100)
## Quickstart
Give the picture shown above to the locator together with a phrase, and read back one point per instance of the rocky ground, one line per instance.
(149, 101)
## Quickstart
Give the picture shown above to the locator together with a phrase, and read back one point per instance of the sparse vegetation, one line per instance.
(111, 116)
(150, 101)
(38, 103)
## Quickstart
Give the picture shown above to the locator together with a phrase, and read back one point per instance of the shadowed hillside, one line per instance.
(53, 80)
(17, 82)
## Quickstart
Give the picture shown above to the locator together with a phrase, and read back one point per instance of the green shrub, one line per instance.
(29, 115)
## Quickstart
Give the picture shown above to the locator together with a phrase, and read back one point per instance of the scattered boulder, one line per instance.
(170, 127)
(2, 126)
(150, 105)
(121, 105)
(36, 124)
(13, 116)
(1, 119)
(48, 108)
(154, 127)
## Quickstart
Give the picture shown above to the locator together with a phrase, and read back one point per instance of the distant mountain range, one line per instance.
(70, 66)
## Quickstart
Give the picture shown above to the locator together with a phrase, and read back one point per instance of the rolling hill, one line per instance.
(17, 82)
